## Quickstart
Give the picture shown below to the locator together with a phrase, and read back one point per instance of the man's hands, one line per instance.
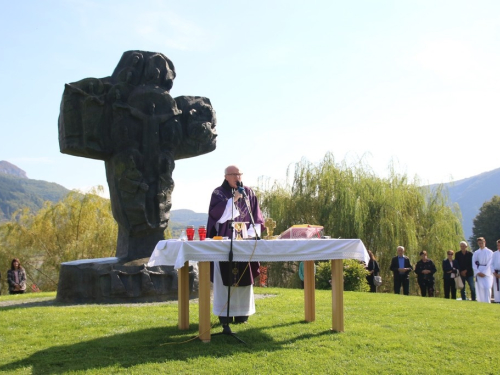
(237, 195)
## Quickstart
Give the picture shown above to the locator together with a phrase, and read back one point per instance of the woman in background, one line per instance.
(450, 271)
(16, 277)
(374, 270)
(425, 270)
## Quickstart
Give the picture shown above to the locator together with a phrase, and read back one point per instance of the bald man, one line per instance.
(401, 268)
(229, 204)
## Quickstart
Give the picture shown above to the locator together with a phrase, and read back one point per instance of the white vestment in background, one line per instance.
(495, 265)
(481, 262)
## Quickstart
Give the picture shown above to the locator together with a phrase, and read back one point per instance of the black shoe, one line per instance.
(224, 320)
(240, 319)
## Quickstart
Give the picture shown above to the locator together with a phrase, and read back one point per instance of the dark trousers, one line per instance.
(369, 280)
(404, 281)
(449, 284)
(16, 291)
(426, 286)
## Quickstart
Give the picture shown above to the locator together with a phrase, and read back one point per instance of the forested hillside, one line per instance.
(19, 192)
(470, 194)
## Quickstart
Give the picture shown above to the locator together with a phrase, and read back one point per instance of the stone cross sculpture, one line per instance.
(130, 121)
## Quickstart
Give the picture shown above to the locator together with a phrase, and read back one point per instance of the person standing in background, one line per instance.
(481, 263)
(495, 268)
(16, 277)
(425, 270)
(464, 258)
(374, 270)
(401, 268)
(450, 271)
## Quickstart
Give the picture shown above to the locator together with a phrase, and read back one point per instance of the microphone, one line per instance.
(241, 189)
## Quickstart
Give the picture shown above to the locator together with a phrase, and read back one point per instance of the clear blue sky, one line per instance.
(417, 82)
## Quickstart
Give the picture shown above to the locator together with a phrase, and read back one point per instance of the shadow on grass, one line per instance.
(42, 302)
(29, 303)
(149, 346)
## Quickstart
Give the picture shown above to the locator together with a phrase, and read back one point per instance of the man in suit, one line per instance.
(401, 268)
(464, 258)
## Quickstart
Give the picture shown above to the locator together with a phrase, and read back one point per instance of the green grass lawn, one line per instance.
(384, 334)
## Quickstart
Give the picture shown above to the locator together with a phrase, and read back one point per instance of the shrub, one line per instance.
(354, 276)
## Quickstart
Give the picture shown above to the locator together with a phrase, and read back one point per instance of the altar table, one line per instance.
(178, 253)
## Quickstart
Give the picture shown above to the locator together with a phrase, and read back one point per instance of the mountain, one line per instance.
(188, 217)
(11, 169)
(470, 194)
(18, 191)
(180, 219)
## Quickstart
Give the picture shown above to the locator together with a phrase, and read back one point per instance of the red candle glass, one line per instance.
(202, 232)
(190, 232)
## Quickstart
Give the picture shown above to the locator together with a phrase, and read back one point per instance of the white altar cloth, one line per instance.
(176, 252)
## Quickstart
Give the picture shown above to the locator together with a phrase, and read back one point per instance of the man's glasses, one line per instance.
(235, 174)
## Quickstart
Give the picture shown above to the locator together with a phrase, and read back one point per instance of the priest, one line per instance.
(233, 202)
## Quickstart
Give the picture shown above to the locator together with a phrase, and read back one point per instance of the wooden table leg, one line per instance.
(183, 297)
(204, 301)
(337, 295)
(309, 291)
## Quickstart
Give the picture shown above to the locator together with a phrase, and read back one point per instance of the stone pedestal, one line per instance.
(112, 280)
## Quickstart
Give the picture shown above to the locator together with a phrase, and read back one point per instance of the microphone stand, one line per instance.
(226, 329)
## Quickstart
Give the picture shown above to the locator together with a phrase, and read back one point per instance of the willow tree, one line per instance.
(81, 226)
(349, 201)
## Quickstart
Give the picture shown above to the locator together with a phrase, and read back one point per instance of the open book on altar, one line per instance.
(302, 231)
